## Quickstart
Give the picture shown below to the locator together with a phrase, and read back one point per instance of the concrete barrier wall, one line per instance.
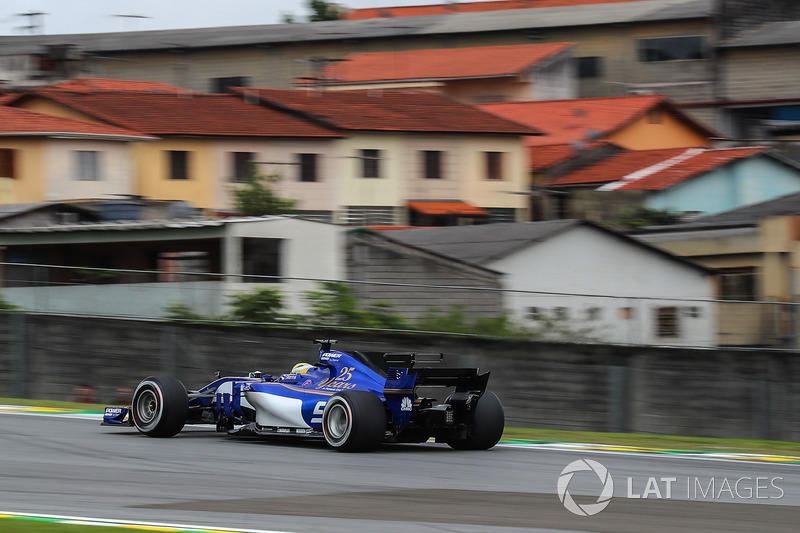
(714, 393)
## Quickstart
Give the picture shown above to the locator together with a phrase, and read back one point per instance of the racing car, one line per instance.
(345, 398)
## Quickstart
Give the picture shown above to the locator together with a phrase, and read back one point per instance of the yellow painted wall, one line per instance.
(659, 129)
(51, 108)
(152, 172)
(29, 164)
(151, 164)
(462, 168)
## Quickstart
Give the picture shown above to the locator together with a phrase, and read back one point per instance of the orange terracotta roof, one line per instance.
(397, 111)
(182, 114)
(95, 85)
(654, 169)
(542, 157)
(465, 7)
(565, 121)
(438, 64)
(384, 228)
(446, 207)
(21, 122)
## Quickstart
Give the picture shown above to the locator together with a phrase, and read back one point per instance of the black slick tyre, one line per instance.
(354, 421)
(160, 406)
(489, 422)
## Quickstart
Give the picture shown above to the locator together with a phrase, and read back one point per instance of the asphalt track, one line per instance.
(74, 467)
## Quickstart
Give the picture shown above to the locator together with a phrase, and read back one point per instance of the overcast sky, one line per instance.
(99, 16)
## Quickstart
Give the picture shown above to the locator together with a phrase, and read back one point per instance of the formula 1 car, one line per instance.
(344, 397)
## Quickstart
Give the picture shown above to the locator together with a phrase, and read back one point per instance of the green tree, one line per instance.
(261, 305)
(322, 10)
(336, 304)
(454, 320)
(256, 198)
(5, 305)
(181, 312)
(642, 216)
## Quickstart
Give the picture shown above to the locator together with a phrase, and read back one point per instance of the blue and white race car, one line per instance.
(343, 397)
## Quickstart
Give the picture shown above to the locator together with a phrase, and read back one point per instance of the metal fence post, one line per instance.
(16, 348)
(169, 349)
(618, 398)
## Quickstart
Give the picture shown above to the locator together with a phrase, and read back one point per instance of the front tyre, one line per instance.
(354, 421)
(489, 422)
(160, 406)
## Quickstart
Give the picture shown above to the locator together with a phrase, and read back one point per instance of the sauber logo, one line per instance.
(405, 404)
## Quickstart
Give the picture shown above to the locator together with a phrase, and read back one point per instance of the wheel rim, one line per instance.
(337, 422)
(147, 408)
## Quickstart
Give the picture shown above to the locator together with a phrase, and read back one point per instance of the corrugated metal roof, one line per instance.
(769, 34)
(139, 225)
(517, 19)
(481, 243)
(750, 214)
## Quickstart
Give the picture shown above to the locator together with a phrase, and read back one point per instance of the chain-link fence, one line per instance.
(384, 306)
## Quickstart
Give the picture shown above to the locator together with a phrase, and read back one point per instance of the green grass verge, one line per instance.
(667, 442)
(29, 525)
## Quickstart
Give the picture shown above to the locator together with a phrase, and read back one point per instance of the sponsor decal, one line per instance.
(405, 404)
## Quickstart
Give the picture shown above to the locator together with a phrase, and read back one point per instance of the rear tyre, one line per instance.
(489, 422)
(160, 406)
(354, 421)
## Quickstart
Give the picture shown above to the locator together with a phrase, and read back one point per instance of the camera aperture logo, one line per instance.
(584, 465)
(640, 488)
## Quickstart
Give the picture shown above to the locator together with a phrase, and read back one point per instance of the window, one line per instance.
(176, 266)
(242, 166)
(178, 165)
(260, 258)
(561, 313)
(655, 116)
(594, 313)
(7, 166)
(533, 313)
(738, 284)
(494, 165)
(220, 85)
(432, 161)
(590, 67)
(667, 322)
(370, 163)
(671, 48)
(86, 165)
(308, 167)
(693, 311)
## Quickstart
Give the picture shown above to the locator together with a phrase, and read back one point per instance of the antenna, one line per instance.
(131, 17)
(35, 23)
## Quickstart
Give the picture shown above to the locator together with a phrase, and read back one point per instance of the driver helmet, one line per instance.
(301, 368)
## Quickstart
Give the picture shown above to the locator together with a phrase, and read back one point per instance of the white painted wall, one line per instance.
(279, 157)
(115, 170)
(585, 261)
(310, 251)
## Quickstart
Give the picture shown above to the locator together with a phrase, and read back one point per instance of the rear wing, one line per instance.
(403, 364)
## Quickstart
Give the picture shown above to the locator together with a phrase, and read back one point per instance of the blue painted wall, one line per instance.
(744, 182)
